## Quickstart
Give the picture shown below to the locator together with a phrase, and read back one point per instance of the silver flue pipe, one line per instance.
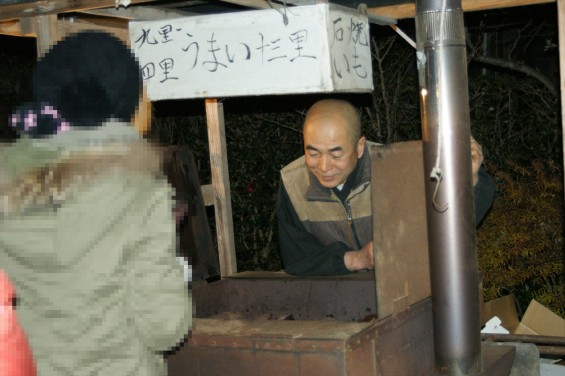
(444, 100)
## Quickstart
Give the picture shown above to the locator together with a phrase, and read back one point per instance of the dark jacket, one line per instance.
(316, 228)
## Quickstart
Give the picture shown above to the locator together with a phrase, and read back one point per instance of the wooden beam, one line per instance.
(255, 4)
(14, 27)
(67, 26)
(221, 186)
(25, 28)
(183, 4)
(409, 10)
(36, 8)
(138, 13)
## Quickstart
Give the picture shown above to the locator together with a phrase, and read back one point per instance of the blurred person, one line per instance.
(87, 232)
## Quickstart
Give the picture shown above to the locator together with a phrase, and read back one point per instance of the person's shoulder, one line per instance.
(372, 143)
(298, 164)
(372, 146)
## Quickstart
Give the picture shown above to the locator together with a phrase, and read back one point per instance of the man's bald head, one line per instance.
(328, 111)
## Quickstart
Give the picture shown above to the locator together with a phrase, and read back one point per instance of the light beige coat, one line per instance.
(88, 238)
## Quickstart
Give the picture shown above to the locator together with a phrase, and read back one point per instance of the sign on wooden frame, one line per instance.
(304, 49)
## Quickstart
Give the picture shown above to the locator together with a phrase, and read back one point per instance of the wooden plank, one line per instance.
(561, 22)
(256, 4)
(45, 29)
(207, 194)
(66, 27)
(25, 28)
(221, 186)
(14, 27)
(36, 8)
(409, 10)
(139, 13)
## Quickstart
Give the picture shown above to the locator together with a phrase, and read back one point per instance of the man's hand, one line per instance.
(361, 259)
(476, 159)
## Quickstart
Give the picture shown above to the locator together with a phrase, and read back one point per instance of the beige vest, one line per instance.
(322, 213)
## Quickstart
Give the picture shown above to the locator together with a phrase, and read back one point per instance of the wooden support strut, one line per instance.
(45, 29)
(221, 187)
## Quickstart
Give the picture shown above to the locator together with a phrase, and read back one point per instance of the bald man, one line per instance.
(324, 201)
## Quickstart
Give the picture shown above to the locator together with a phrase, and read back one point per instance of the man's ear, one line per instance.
(361, 146)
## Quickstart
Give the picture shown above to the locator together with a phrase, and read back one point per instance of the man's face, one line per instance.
(330, 151)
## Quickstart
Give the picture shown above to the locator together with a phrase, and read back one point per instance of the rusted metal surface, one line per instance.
(401, 344)
(404, 343)
(398, 345)
(253, 295)
(547, 345)
(497, 360)
(399, 226)
(325, 329)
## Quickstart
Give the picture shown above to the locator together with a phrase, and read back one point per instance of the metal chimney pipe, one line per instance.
(444, 100)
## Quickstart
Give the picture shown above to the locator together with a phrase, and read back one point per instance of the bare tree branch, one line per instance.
(519, 67)
(511, 65)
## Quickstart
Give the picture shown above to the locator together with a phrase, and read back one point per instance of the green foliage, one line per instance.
(521, 242)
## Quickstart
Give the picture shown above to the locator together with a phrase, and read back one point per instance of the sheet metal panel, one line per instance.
(399, 226)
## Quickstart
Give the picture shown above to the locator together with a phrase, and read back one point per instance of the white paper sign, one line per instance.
(321, 48)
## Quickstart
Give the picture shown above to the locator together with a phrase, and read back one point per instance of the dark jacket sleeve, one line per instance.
(484, 195)
(302, 253)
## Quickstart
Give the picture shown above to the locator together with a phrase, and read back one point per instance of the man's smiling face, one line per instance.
(330, 148)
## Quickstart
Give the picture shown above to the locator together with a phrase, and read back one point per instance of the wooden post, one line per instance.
(561, 23)
(45, 29)
(221, 186)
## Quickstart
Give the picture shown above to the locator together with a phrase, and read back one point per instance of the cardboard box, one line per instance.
(537, 320)
(505, 309)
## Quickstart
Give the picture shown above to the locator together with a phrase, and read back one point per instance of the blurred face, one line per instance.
(330, 151)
